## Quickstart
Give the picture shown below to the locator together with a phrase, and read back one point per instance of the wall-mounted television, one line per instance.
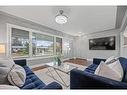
(105, 43)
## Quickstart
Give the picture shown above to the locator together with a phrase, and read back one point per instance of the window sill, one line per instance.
(35, 57)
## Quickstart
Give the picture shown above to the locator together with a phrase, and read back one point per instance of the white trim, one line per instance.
(29, 57)
(30, 44)
(37, 65)
(31, 30)
(8, 40)
(55, 45)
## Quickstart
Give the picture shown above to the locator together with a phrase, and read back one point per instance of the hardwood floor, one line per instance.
(39, 68)
(78, 61)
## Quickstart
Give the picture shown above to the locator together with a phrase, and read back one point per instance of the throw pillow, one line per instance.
(114, 63)
(106, 71)
(5, 66)
(99, 67)
(116, 66)
(17, 76)
(110, 60)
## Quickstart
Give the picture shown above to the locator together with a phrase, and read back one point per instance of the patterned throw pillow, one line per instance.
(17, 76)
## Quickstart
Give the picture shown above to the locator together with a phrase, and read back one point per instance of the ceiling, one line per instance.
(81, 19)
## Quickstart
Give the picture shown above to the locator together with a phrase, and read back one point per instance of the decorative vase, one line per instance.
(58, 61)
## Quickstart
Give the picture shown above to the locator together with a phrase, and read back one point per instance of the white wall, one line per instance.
(123, 49)
(123, 29)
(82, 45)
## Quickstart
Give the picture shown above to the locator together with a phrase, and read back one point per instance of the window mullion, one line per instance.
(30, 44)
(54, 45)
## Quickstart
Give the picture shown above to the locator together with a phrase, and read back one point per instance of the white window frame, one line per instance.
(30, 56)
(45, 54)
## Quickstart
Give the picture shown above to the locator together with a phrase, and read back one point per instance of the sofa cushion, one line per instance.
(91, 68)
(88, 70)
(28, 70)
(97, 60)
(20, 62)
(32, 81)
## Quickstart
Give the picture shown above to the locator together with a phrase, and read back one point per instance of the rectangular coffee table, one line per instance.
(65, 68)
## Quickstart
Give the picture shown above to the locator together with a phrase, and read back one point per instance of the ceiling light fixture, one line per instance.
(60, 18)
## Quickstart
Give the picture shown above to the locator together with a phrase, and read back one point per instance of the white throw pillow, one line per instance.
(17, 76)
(116, 66)
(106, 71)
(8, 87)
(99, 67)
(110, 60)
(5, 66)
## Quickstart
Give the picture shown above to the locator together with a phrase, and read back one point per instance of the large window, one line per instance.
(27, 43)
(42, 44)
(20, 43)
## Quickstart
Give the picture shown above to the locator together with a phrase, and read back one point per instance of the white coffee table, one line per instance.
(65, 68)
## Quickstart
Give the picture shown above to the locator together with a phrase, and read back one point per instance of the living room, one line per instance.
(57, 47)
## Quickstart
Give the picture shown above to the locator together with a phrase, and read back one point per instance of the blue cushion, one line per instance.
(20, 62)
(98, 60)
(28, 70)
(123, 62)
(91, 68)
(88, 70)
(32, 81)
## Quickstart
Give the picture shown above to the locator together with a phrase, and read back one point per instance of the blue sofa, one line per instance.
(88, 80)
(32, 81)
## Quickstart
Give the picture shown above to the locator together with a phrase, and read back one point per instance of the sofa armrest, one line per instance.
(53, 85)
(98, 60)
(85, 80)
(21, 62)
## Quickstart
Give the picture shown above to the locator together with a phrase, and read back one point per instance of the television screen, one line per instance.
(105, 43)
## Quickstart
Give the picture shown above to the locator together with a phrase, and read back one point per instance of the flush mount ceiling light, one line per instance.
(80, 34)
(60, 18)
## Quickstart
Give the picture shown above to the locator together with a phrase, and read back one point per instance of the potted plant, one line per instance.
(58, 60)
